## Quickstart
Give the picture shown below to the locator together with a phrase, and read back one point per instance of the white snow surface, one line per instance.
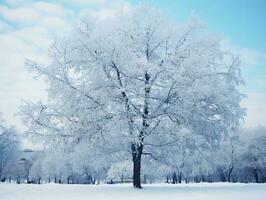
(202, 191)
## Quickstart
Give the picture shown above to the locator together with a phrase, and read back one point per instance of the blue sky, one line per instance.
(242, 21)
(27, 27)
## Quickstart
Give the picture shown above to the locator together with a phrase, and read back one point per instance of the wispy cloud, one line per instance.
(249, 57)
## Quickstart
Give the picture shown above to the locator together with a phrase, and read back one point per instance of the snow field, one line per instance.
(202, 191)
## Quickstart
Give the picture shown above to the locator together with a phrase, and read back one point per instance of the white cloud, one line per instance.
(90, 2)
(249, 57)
(22, 15)
(15, 3)
(107, 10)
(256, 110)
(31, 14)
(261, 82)
(48, 8)
(54, 23)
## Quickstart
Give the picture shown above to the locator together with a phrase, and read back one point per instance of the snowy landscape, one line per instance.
(125, 100)
(200, 191)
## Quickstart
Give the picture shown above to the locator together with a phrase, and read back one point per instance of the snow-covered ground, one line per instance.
(203, 191)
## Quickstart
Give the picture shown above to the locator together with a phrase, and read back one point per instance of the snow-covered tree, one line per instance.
(90, 161)
(120, 171)
(36, 171)
(9, 149)
(226, 157)
(135, 80)
(253, 154)
(56, 165)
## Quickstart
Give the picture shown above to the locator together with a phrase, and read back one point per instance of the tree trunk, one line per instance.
(174, 178)
(180, 177)
(230, 174)
(136, 171)
(203, 178)
(256, 175)
(167, 179)
(137, 147)
(145, 179)
(222, 175)
(136, 155)
(18, 179)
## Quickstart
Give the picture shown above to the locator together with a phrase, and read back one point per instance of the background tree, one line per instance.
(253, 155)
(9, 149)
(36, 171)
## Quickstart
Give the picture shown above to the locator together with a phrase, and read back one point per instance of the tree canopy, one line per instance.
(132, 83)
